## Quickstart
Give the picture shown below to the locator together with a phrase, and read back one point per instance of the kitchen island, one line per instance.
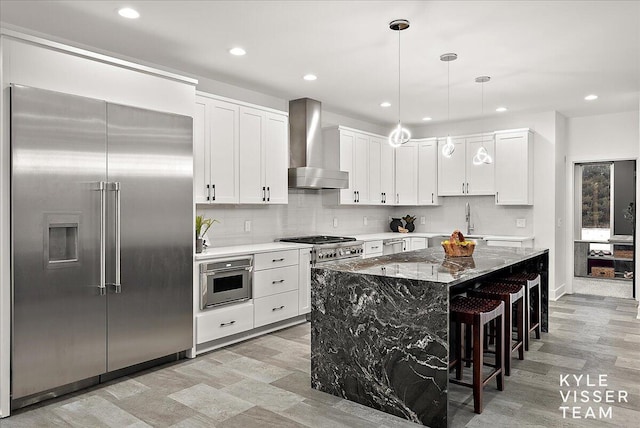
(380, 326)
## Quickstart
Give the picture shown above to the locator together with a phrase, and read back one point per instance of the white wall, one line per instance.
(561, 213)
(596, 138)
(543, 212)
(34, 64)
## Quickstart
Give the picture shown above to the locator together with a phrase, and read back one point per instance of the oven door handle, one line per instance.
(230, 269)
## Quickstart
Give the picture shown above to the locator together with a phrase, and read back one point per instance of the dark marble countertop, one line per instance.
(431, 265)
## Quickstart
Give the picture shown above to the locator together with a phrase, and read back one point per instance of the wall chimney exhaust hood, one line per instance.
(307, 169)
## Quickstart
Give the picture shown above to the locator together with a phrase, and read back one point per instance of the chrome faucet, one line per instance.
(467, 217)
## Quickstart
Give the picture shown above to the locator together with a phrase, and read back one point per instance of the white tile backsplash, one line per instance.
(312, 212)
(487, 217)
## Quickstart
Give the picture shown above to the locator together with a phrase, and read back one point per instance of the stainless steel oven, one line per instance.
(225, 281)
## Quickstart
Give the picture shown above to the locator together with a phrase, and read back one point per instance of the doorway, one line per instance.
(604, 228)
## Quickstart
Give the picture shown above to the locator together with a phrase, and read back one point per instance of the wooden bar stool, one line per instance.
(510, 294)
(476, 312)
(532, 302)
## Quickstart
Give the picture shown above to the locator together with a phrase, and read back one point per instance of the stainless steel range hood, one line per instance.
(307, 169)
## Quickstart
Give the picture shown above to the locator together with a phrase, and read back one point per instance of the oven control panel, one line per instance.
(349, 251)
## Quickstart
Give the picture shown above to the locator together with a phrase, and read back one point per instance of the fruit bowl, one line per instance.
(457, 246)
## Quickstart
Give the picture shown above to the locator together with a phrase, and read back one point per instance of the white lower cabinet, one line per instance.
(304, 282)
(273, 281)
(275, 259)
(274, 308)
(373, 248)
(224, 321)
(281, 291)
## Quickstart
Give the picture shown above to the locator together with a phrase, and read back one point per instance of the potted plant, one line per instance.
(202, 226)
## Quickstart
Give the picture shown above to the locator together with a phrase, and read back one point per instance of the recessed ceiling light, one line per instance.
(127, 12)
(501, 109)
(426, 119)
(310, 77)
(385, 104)
(237, 51)
(591, 97)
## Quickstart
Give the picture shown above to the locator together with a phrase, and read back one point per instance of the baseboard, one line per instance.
(557, 293)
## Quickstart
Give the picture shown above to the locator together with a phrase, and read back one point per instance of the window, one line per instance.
(596, 201)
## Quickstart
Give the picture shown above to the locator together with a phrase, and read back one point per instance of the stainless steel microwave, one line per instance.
(225, 281)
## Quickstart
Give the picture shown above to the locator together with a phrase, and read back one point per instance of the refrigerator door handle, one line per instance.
(117, 284)
(103, 241)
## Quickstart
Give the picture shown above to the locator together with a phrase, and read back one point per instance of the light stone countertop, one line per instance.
(391, 235)
(237, 250)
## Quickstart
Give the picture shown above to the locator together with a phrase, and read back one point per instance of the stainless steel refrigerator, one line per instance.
(102, 238)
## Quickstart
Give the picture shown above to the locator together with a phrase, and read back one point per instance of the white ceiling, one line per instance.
(541, 55)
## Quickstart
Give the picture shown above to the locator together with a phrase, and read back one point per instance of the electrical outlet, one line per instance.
(423, 220)
(521, 222)
(247, 225)
(365, 220)
(335, 222)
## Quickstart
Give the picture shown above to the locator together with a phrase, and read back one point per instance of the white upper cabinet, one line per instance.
(381, 175)
(353, 147)
(276, 158)
(514, 167)
(216, 151)
(451, 170)
(457, 175)
(407, 174)
(252, 190)
(263, 156)
(427, 171)
(361, 168)
(387, 171)
(346, 141)
(480, 178)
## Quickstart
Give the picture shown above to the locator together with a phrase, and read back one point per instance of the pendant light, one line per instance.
(482, 156)
(449, 147)
(399, 135)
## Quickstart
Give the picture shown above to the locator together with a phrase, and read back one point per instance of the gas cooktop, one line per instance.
(318, 239)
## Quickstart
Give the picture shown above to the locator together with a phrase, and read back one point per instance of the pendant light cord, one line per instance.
(448, 93)
(399, 68)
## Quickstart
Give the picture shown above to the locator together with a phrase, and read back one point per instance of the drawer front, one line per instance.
(275, 259)
(516, 244)
(275, 308)
(372, 248)
(224, 321)
(272, 281)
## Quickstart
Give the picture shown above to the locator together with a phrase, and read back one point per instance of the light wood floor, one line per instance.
(264, 382)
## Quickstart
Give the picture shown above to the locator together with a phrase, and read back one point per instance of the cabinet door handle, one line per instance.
(354, 197)
(358, 193)
(397, 198)
(467, 187)
(264, 194)
(214, 192)
(431, 197)
(224, 324)
(208, 192)
(277, 260)
(268, 194)
(280, 281)
(279, 308)
(463, 188)
(497, 197)
(375, 248)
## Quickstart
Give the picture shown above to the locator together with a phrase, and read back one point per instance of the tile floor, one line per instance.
(264, 382)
